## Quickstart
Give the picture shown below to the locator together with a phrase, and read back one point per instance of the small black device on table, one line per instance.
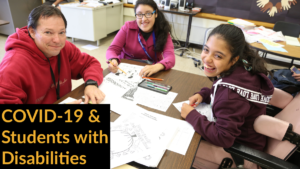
(154, 86)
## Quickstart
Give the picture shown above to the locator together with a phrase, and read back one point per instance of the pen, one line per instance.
(161, 86)
(157, 88)
(117, 67)
(193, 105)
(153, 78)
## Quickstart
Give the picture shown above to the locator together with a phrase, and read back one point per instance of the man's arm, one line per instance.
(83, 65)
(88, 67)
(11, 95)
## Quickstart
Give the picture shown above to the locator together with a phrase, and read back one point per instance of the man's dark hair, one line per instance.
(43, 11)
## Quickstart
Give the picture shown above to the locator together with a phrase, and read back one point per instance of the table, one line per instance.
(185, 84)
(190, 13)
(293, 51)
(92, 24)
(2, 22)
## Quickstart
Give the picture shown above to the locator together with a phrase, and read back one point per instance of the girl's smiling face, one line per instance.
(216, 56)
(146, 24)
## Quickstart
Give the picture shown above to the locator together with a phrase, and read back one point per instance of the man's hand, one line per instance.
(113, 68)
(196, 100)
(149, 70)
(94, 94)
(185, 110)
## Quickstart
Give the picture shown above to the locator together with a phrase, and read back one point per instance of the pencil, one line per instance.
(117, 67)
(153, 78)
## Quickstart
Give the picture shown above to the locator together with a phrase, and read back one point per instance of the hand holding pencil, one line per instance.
(113, 66)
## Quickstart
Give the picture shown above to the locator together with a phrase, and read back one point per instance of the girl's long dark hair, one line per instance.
(162, 27)
(238, 46)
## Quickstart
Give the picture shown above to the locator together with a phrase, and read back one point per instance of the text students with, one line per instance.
(39, 62)
(145, 39)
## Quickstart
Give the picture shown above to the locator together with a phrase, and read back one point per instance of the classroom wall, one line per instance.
(249, 9)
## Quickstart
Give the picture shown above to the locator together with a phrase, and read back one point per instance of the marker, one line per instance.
(161, 86)
(193, 105)
(150, 86)
(161, 89)
(158, 85)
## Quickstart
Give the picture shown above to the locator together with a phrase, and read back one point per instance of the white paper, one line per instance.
(292, 41)
(182, 139)
(166, 132)
(202, 108)
(154, 99)
(119, 93)
(132, 139)
(90, 47)
(68, 100)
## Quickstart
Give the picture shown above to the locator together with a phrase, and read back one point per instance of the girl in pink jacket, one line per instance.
(146, 39)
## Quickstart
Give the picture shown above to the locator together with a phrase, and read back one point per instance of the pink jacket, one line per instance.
(126, 46)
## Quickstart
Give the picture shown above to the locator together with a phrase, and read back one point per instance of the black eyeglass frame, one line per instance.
(145, 15)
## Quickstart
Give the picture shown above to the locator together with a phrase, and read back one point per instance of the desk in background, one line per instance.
(190, 13)
(293, 52)
(185, 84)
(92, 24)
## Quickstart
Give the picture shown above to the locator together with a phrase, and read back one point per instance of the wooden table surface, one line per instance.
(293, 52)
(185, 84)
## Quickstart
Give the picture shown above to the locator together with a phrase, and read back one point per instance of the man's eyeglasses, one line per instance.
(147, 15)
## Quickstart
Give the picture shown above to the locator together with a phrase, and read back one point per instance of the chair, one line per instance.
(283, 133)
(288, 29)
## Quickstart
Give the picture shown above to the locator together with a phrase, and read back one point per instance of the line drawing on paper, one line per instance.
(129, 95)
(113, 81)
(128, 139)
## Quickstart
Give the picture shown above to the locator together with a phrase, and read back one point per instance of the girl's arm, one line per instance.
(205, 93)
(230, 114)
(224, 131)
(114, 50)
